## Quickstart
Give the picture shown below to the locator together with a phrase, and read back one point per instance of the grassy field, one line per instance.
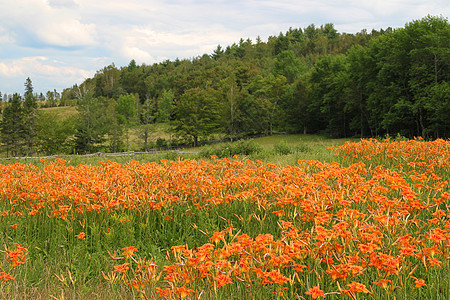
(278, 149)
(291, 219)
(61, 111)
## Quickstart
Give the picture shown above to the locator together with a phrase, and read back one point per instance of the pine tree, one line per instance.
(29, 117)
(28, 87)
(11, 127)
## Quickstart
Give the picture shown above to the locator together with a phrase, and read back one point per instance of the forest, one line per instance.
(310, 80)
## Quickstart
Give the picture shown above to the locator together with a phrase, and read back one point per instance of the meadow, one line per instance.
(316, 219)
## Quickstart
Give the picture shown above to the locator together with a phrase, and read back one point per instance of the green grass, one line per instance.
(61, 111)
(302, 147)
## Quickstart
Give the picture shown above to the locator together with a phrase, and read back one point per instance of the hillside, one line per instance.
(314, 80)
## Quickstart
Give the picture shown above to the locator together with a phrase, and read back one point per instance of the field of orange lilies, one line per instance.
(376, 225)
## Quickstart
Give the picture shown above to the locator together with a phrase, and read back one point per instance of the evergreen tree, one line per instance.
(11, 127)
(30, 107)
(28, 87)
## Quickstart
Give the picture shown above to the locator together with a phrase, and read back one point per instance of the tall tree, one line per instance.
(147, 117)
(29, 117)
(91, 122)
(165, 106)
(231, 94)
(114, 128)
(273, 89)
(127, 113)
(28, 87)
(54, 133)
(107, 82)
(51, 99)
(288, 65)
(362, 71)
(329, 79)
(11, 127)
(197, 114)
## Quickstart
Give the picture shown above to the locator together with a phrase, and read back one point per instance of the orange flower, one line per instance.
(357, 287)
(368, 248)
(17, 257)
(163, 292)
(222, 280)
(418, 282)
(299, 268)
(81, 235)
(277, 277)
(217, 236)
(315, 292)
(184, 292)
(6, 276)
(123, 268)
(383, 283)
(33, 212)
(278, 213)
(129, 252)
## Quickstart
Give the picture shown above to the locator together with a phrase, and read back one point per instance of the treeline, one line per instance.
(304, 80)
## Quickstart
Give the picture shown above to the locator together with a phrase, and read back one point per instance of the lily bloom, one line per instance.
(315, 292)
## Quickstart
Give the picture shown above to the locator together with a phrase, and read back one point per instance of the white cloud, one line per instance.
(118, 7)
(146, 45)
(37, 23)
(67, 33)
(63, 3)
(5, 37)
(43, 69)
(139, 55)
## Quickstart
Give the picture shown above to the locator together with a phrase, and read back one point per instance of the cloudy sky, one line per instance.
(58, 43)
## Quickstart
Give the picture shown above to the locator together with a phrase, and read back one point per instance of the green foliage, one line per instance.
(18, 123)
(165, 106)
(288, 65)
(92, 123)
(302, 148)
(29, 122)
(161, 143)
(28, 87)
(12, 127)
(282, 148)
(241, 147)
(53, 134)
(197, 114)
(126, 113)
(126, 109)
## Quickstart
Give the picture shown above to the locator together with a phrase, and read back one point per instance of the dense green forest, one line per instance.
(311, 80)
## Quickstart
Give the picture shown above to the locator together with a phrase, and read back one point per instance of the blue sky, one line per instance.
(58, 43)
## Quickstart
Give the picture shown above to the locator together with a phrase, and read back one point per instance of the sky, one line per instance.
(59, 43)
